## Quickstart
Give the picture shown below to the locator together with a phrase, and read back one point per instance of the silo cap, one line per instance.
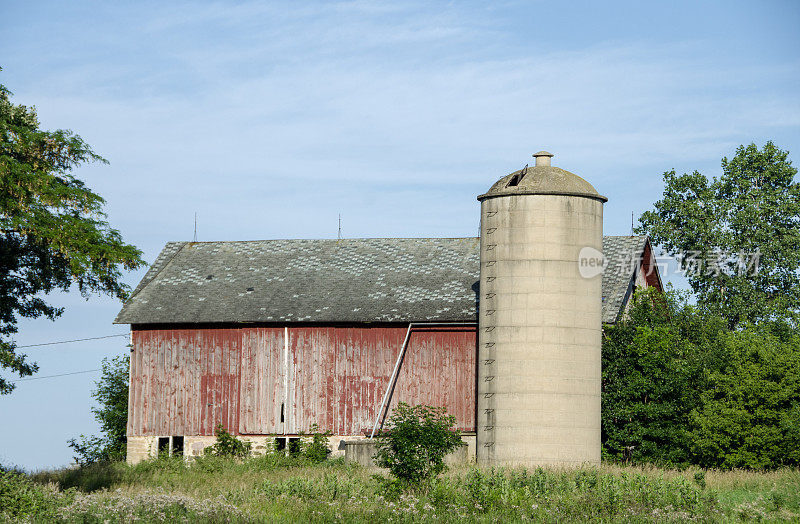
(543, 158)
(543, 179)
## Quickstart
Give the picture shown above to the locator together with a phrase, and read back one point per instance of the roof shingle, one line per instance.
(350, 280)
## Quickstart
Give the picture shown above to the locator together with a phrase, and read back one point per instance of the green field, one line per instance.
(275, 488)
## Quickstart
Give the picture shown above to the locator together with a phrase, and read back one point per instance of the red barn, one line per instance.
(271, 337)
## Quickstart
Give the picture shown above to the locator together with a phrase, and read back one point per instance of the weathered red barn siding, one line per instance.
(184, 381)
(444, 357)
(648, 269)
(254, 381)
(262, 379)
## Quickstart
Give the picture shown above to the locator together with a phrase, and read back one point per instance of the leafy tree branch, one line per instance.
(53, 230)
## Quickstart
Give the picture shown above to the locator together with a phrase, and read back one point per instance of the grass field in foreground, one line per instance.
(275, 488)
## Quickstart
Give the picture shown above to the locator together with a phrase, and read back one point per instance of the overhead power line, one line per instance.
(69, 341)
(54, 376)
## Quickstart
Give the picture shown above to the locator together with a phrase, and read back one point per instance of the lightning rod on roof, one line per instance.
(340, 227)
(195, 227)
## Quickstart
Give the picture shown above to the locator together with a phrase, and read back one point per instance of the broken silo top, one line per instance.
(542, 179)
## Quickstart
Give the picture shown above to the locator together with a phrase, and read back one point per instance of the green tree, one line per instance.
(721, 226)
(680, 386)
(416, 441)
(53, 231)
(317, 450)
(653, 361)
(749, 412)
(111, 413)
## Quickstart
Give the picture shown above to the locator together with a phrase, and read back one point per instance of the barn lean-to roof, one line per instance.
(349, 280)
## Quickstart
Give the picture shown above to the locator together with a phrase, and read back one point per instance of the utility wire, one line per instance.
(74, 340)
(64, 342)
(54, 376)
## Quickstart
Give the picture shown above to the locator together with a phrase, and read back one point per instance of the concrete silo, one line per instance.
(540, 319)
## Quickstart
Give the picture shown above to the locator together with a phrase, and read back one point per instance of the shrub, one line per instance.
(317, 450)
(22, 499)
(416, 442)
(227, 445)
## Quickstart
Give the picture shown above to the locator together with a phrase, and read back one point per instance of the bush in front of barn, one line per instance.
(227, 445)
(416, 441)
(316, 449)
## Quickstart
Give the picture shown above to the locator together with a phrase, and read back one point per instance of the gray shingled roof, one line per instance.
(351, 280)
(623, 256)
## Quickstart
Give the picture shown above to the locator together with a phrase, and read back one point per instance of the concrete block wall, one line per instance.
(539, 331)
(361, 452)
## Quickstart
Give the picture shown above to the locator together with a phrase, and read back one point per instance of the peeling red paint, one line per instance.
(185, 381)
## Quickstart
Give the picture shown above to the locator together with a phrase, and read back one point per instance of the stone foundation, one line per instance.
(143, 448)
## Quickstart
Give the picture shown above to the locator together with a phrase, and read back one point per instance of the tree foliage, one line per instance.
(749, 412)
(111, 414)
(416, 441)
(720, 227)
(53, 231)
(681, 387)
(716, 385)
(642, 392)
(651, 364)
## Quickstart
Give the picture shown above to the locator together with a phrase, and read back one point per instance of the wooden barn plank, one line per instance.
(184, 381)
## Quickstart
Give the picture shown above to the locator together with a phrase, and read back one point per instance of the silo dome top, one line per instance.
(542, 179)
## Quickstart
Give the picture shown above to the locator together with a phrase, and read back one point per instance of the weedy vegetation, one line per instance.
(227, 484)
(281, 488)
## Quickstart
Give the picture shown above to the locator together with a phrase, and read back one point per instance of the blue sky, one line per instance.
(270, 119)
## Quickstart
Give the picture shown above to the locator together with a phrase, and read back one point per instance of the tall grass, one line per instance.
(276, 488)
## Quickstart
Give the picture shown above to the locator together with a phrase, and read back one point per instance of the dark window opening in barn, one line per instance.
(280, 444)
(163, 446)
(294, 446)
(177, 446)
(281, 411)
